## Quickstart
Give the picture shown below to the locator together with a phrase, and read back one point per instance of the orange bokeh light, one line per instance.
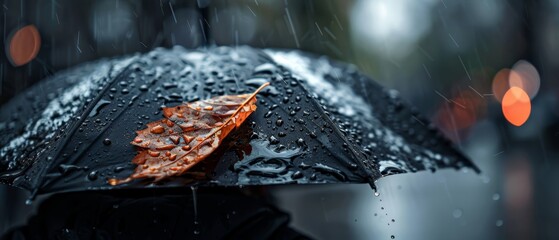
(516, 106)
(459, 113)
(501, 83)
(23, 45)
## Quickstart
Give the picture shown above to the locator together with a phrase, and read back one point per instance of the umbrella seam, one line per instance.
(354, 152)
(76, 125)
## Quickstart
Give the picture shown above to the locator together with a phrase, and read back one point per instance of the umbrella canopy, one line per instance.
(319, 121)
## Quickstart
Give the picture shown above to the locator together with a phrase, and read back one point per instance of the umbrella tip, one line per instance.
(31, 198)
(373, 186)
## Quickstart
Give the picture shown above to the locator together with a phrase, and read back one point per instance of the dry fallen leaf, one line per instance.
(187, 135)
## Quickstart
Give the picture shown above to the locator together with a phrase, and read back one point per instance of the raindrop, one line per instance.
(195, 205)
(169, 85)
(273, 140)
(268, 114)
(256, 82)
(107, 141)
(377, 194)
(499, 223)
(210, 81)
(92, 176)
(392, 236)
(98, 107)
(313, 176)
(496, 196)
(297, 175)
(457, 213)
(330, 170)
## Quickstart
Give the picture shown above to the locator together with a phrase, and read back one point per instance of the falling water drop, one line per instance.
(195, 205)
(499, 223)
(457, 213)
(496, 196)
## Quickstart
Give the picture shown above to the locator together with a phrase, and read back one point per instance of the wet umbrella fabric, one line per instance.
(319, 122)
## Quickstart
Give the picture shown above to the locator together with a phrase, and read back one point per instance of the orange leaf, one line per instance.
(187, 135)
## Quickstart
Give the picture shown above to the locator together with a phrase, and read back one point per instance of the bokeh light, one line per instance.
(23, 45)
(524, 75)
(460, 112)
(516, 106)
(501, 83)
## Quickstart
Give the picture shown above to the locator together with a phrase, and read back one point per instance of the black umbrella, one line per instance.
(318, 122)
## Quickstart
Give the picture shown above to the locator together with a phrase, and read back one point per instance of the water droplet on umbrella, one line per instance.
(273, 140)
(268, 114)
(107, 141)
(300, 142)
(210, 81)
(102, 103)
(92, 176)
(297, 175)
(330, 170)
(169, 85)
(266, 68)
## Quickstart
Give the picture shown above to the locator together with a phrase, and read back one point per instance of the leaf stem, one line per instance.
(224, 124)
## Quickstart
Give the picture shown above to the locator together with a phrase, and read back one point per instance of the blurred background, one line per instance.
(485, 72)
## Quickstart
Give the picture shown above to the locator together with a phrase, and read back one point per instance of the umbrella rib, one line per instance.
(354, 152)
(76, 124)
